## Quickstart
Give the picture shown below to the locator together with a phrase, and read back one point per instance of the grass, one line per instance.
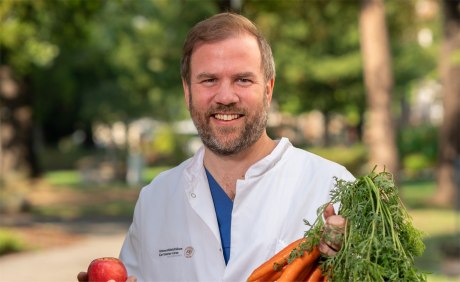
(72, 177)
(432, 260)
(10, 242)
(63, 178)
(151, 172)
(441, 228)
(107, 209)
(103, 200)
(415, 193)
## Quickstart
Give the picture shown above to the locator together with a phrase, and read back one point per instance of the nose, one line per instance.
(226, 94)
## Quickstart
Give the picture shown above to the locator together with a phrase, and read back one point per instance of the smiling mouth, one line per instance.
(226, 117)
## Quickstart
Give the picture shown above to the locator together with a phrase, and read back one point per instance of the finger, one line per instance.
(131, 279)
(333, 233)
(335, 246)
(333, 238)
(82, 277)
(329, 211)
(325, 249)
(336, 220)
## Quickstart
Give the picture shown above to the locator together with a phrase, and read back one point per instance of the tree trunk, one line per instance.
(449, 133)
(17, 154)
(379, 131)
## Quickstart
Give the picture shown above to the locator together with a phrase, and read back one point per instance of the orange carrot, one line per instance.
(306, 271)
(316, 275)
(279, 260)
(270, 277)
(293, 269)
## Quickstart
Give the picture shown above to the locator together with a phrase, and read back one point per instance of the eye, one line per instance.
(244, 81)
(208, 81)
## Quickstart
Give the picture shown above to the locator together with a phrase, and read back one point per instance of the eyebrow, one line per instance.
(204, 75)
(244, 74)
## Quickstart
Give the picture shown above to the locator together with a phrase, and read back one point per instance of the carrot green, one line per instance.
(379, 240)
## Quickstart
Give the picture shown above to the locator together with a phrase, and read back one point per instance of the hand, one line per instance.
(83, 277)
(333, 229)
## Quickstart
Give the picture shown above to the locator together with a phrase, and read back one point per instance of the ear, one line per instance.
(269, 86)
(186, 93)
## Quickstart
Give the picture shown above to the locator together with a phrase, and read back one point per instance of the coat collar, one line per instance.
(195, 167)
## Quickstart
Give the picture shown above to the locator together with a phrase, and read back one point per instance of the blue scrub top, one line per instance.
(223, 206)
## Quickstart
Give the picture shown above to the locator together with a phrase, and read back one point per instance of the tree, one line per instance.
(27, 48)
(81, 62)
(316, 49)
(72, 63)
(378, 77)
(17, 154)
(447, 191)
(318, 57)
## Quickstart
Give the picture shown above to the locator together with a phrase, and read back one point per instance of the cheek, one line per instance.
(198, 103)
(200, 99)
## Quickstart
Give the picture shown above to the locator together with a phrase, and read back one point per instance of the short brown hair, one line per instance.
(222, 26)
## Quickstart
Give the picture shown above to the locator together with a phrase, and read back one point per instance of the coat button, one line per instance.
(192, 195)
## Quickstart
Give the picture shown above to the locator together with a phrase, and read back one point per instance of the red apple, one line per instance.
(105, 269)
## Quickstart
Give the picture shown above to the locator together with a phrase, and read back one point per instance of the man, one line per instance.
(243, 196)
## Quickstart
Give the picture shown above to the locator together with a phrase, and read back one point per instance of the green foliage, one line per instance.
(418, 148)
(88, 61)
(354, 158)
(10, 242)
(414, 164)
(29, 35)
(318, 58)
(165, 147)
(108, 209)
(63, 177)
(415, 193)
(163, 143)
(71, 178)
(152, 172)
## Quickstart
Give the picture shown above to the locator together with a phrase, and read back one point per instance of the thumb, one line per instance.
(328, 211)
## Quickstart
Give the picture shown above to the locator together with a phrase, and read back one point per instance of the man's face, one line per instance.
(228, 98)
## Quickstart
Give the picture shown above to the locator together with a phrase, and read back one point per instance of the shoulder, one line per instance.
(166, 181)
(317, 164)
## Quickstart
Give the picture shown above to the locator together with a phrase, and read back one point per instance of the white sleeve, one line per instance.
(131, 251)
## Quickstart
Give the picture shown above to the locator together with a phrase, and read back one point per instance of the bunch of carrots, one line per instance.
(293, 263)
(379, 241)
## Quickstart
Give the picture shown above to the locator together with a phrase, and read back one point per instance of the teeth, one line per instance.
(226, 117)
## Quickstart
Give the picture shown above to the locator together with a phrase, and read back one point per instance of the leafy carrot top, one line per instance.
(379, 240)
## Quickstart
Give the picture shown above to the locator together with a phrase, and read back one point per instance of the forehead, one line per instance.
(241, 51)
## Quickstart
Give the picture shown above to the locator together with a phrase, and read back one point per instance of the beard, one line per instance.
(230, 140)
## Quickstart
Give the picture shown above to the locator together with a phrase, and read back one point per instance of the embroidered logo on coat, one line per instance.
(188, 252)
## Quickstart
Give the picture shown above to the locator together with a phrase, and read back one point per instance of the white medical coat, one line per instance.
(174, 235)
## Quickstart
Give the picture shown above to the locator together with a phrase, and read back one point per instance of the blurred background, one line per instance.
(91, 106)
